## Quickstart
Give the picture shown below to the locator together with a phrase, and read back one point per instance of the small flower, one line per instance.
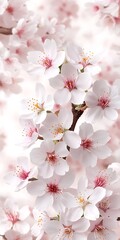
(103, 101)
(91, 146)
(22, 174)
(49, 60)
(49, 158)
(70, 85)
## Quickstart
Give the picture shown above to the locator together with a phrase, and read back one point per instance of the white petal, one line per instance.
(21, 227)
(82, 183)
(91, 99)
(68, 71)
(100, 137)
(37, 155)
(110, 113)
(72, 139)
(77, 96)
(43, 202)
(57, 82)
(75, 214)
(61, 149)
(51, 72)
(36, 188)
(102, 152)
(62, 96)
(59, 58)
(84, 81)
(91, 212)
(50, 48)
(65, 117)
(61, 167)
(4, 227)
(86, 130)
(24, 212)
(101, 87)
(97, 195)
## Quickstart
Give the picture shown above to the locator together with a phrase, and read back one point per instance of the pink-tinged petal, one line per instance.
(11, 206)
(115, 102)
(76, 154)
(59, 59)
(89, 158)
(81, 226)
(48, 146)
(40, 92)
(53, 227)
(57, 82)
(115, 202)
(46, 170)
(12, 179)
(72, 139)
(24, 212)
(91, 212)
(98, 194)
(38, 155)
(69, 72)
(65, 117)
(73, 53)
(50, 48)
(67, 180)
(100, 137)
(61, 167)
(58, 204)
(41, 117)
(102, 152)
(110, 113)
(109, 235)
(61, 149)
(62, 96)
(82, 183)
(94, 114)
(101, 87)
(68, 200)
(21, 227)
(84, 81)
(24, 163)
(51, 72)
(5, 226)
(86, 130)
(37, 230)
(77, 96)
(92, 236)
(43, 202)
(75, 214)
(91, 100)
(79, 236)
(37, 188)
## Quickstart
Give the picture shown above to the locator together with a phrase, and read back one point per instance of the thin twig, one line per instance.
(5, 31)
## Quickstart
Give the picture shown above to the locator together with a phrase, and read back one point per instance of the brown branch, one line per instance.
(77, 114)
(5, 31)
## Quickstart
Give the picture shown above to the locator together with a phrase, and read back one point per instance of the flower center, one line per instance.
(96, 8)
(12, 217)
(34, 106)
(47, 63)
(10, 9)
(70, 85)
(86, 143)
(68, 231)
(30, 132)
(51, 157)
(103, 102)
(100, 182)
(53, 188)
(21, 173)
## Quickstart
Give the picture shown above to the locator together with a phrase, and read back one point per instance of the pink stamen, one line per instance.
(53, 188)
(21, 173)
(47, 63)
(10, 10)
(103, 102)
(51, 157)
(12, 218)
(100, 182)
(70, 85)
(86, 143)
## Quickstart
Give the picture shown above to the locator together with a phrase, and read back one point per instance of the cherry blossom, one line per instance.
(52, 192)
(103, 101)
(65, 229)
(86, 200)
(29, 132)
(103, 229)
(70, 85)
(36, 108)
(22, 174)
(50, 158)
(48, 60)
(92, 145)
(13, 235)
(55, 128)
(13, 217)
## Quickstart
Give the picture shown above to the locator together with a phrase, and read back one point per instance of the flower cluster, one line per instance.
(69, 168)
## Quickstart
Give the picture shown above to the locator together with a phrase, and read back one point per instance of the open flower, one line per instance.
(13, 217)
(103, 101)
(36, 108)
(22, 174)
(91, 146)
(70, 85)
(48, 60)
(52, 192)
(49, 158)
